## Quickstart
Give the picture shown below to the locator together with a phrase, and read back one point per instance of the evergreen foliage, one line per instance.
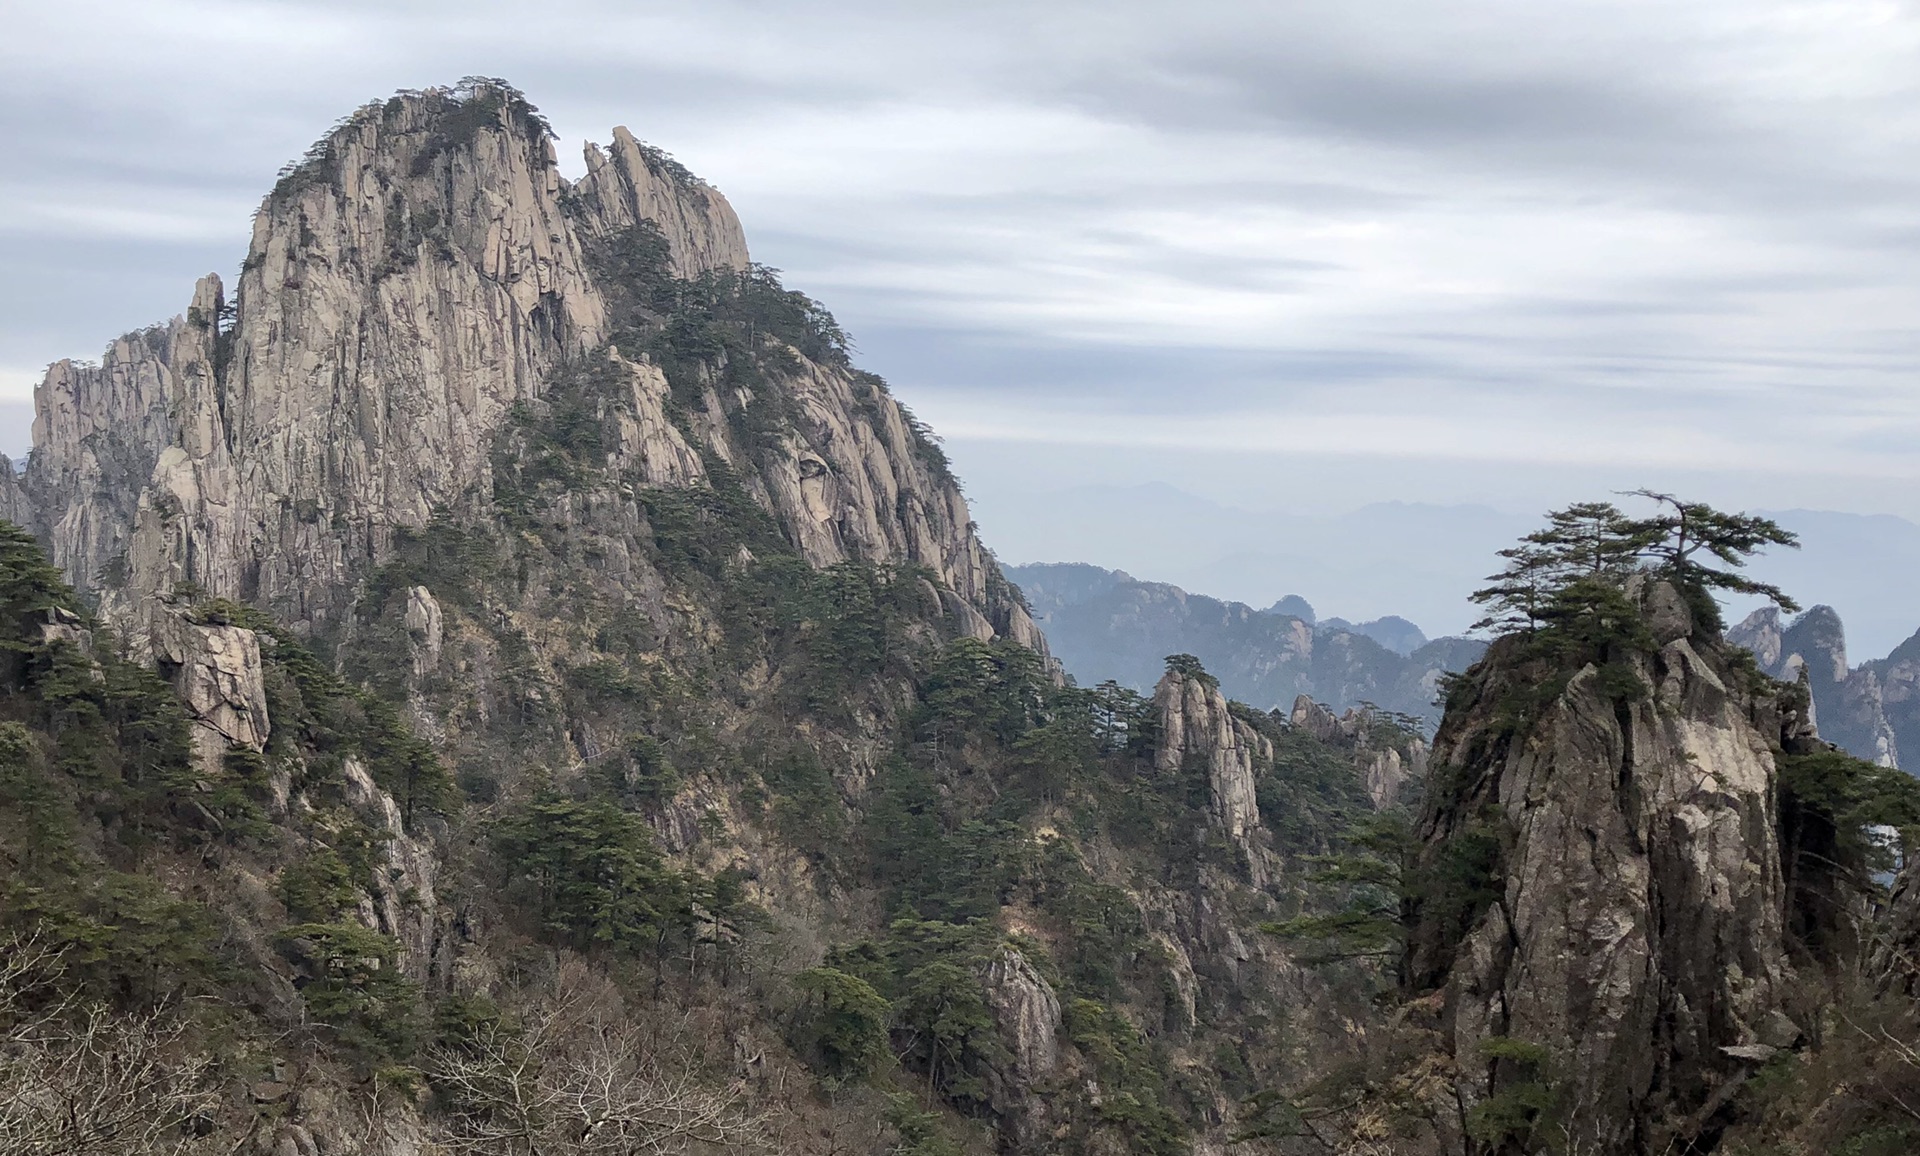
(1567, 574)
(1845, 825)
(94, 765)
(595, 876)
(846, 1022)
(353, 983)
(316, 710)
(1135, 1099)
(1371, 880)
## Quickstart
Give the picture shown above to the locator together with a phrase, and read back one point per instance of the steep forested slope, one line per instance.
(506, 682)
(543, 697)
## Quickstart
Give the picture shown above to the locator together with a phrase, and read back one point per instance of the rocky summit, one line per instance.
(498, 678)
(1871, 710)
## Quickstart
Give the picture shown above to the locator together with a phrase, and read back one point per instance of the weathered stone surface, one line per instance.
(425, 626)
(1384, 772)
(631, 182)
(1863, 710)
(402, 901)
(427, 270)
(1383, 769)
(1760, 632)
(1198, 729)
(15, 506)
(1027, 1014)
(1317, 720)
(1636, 929)
(1668, 616)
(216, 672)
(97, 432)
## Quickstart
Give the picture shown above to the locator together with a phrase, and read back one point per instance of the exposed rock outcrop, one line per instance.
(401, 901)
(1198, 732)
(1604, 881)
(631, 182)
(1898, 681)
(514, 526)
(1852, 706)
(215, 669)
(425, 270)
(1027, 1013)
(97, 432)
(426, 627)
(1384, 759)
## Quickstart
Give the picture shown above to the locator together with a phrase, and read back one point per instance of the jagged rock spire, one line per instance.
(424, 270)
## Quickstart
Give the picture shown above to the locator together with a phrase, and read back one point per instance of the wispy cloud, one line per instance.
(1684, 237)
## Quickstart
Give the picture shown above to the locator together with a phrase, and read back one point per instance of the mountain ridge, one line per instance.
(506, 680)
(564, 639)
(1106, 624)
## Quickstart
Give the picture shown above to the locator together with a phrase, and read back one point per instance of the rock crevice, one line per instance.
(1604, 880)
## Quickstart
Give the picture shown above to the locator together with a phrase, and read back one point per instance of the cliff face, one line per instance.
(98, 431)
(1897, 679)
(1864, 710)
(1198, 732)
(1386, 760)
(425, 270)
(623, 629)
(1604, 882)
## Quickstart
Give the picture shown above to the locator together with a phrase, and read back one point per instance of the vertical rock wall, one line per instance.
(1860, 709)
(1198, 731)
(1633, 925)
(422, 272)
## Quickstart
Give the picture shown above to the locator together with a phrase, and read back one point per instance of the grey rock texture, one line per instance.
(98, 431)
(1027, 1014)
(1630, 912)
(1864, 710)
(423, 272)
(1897, 678)
(426, 628)
(630, 182)
(402, 901)
(1384, 764)
(215, 669)
(1198, 731)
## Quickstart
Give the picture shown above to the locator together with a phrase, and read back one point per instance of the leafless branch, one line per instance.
(577, 1076)
(77, 1077)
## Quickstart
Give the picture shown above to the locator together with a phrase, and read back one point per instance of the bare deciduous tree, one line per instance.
(577, 1076)
(76, 1077)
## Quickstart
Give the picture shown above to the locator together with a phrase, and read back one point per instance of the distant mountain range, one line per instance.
(1872, 710)
(1105, 624)
(1411, 559)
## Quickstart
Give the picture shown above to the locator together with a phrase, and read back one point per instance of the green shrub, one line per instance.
(595, 877)
(1133, 1087)
(846, 1022)
(318, 887)
(354, 985)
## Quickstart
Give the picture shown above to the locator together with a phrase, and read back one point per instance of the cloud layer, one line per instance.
(1479, 245)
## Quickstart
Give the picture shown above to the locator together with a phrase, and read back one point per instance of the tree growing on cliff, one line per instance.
(1683, 531)
(1570, 573)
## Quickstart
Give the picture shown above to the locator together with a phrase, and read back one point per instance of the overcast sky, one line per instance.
(1284, 255)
